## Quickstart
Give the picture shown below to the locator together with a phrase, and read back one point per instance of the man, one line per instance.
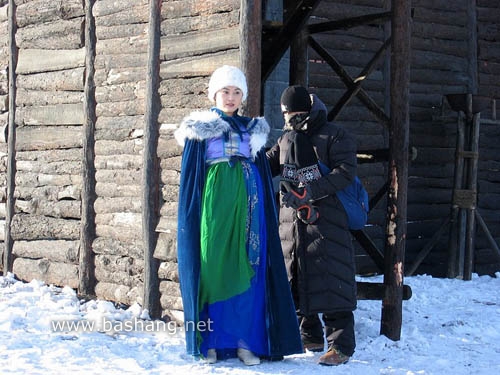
(315, 159)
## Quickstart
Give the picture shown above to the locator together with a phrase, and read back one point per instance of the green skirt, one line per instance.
(225, 268)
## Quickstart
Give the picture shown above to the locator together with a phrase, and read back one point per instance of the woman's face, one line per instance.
(228, 99)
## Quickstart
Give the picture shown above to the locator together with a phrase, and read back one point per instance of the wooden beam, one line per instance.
(36, 138)
(350, 22)
(356, 86)
(274, 47)
(151, 171)
(391, 320)
(200, 43)
(200, 66)
(348, 81)
(371, 249)
(472, 44)
(44, 60)
(376, 291)
(86, 277)
(455, 236)
(471, 185)
(251, 52)
(58, 114)
(299, 60)
(379, 195)
(428, 247)
(11, 141)
(58, 273)
(489, 237)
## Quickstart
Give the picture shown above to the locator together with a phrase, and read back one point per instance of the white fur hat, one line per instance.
(226, 76)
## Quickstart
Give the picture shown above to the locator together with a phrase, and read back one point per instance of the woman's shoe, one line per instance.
(247, 357)
(211, 356)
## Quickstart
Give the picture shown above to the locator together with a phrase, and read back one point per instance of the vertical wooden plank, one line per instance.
(386, 71)
(88, 233)
(473, 166)
(11, 142)
(250, 53)
(398, 170)
(472, 42)
(151, 171)
(453, 265)
(299, 67)
(276, 46)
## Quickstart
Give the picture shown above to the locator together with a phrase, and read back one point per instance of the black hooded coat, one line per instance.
(319, 257)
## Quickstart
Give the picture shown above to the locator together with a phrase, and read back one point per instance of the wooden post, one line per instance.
(299, 66)
(474, 129)
(455, 214)
(274, 48)
(250, 53)
(88, 232)
(376, 291)
(386, 70)
(151, 172)
(11, 142)
(398, 171)
(472, 44)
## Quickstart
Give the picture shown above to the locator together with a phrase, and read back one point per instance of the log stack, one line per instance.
(4, 107)
(488, 34)
(45, 227)
(51, 121)
(120, 78)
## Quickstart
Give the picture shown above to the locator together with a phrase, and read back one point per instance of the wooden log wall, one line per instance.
(120, 79)
(45, 227)
(198, 36)
(450, 56)
(488, 36)
(443, 61)
(51, 100)
(4, 108)
(190, 51)
(439, 66)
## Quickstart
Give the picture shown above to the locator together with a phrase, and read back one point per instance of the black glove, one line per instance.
(308, 214)
(296, 198)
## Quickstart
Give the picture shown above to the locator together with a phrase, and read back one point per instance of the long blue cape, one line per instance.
(282, 325)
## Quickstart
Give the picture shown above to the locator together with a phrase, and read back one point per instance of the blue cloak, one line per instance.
(281, 320)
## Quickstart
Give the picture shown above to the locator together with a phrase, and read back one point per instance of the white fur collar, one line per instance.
(201, 125)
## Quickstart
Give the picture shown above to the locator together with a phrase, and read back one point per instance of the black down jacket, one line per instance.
(319, 257)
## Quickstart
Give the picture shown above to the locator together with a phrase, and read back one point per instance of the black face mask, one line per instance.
(296, 121)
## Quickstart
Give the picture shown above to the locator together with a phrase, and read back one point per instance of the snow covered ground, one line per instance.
(449, 327)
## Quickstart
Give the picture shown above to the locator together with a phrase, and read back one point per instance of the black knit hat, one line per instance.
(295, 99)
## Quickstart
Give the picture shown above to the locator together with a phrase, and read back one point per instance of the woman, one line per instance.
(234, 286)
